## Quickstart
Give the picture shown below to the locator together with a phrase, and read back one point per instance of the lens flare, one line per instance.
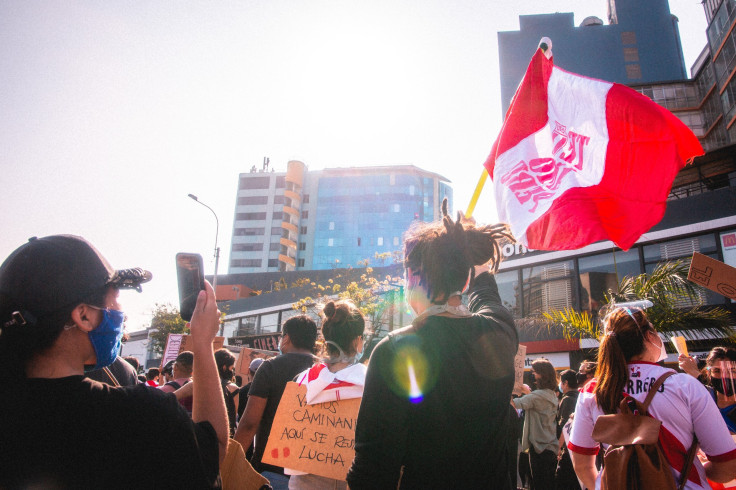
(412, 376)
(415, 394)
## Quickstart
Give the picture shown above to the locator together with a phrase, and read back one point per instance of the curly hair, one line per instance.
(444, 254)
(342, 325)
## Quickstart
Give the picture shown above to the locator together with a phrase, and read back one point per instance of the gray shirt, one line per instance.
(540, 407)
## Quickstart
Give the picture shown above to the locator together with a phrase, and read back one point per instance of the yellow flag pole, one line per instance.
(476, 193)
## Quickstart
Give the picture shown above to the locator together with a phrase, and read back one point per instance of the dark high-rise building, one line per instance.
(640, 44)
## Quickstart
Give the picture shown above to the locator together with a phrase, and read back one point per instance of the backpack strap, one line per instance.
(653, 390)
(688, 463)
(693, 448)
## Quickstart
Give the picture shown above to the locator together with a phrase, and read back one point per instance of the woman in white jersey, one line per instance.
(627, 363)
(338, 377)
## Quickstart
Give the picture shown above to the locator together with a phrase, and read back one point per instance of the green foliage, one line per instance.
(166, 320)
(668, 288)
(373, 296)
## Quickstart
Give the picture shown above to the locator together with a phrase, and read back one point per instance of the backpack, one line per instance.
(635, 459)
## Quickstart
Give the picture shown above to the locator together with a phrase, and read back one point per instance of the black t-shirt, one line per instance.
(436, 401)
(77, 433)
(269, 382)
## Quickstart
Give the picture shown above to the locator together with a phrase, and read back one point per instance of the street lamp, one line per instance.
(217, 231)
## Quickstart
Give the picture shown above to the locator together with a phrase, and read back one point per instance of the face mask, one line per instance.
(359, 356)
(724, 388)
(560, 387)
(106, 338)
(662, 350)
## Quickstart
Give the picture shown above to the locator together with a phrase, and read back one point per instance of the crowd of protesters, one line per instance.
(76, 415)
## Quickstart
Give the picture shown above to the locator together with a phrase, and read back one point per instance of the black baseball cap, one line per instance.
(46, 275)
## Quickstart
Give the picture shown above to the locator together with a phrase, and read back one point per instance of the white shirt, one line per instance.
(683, 405)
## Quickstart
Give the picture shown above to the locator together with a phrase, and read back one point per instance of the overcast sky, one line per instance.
(111, 112)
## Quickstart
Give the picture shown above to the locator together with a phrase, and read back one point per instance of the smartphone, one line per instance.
(190, 273)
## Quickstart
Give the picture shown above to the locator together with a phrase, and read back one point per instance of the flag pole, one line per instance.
(476, 193)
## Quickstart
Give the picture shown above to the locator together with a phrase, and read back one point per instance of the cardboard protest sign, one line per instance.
(680, 344)
(318, 439)
(519, 368)
(713, 274)
(245, 357)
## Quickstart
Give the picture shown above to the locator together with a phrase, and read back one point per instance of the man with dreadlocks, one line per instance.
(435, 408)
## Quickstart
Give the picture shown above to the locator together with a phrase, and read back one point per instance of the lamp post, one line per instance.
(217, 231)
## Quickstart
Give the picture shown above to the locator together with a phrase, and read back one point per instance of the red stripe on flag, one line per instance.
(647, 147)
(528, 109)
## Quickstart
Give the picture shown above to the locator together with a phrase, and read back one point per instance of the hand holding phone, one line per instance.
(190, 275)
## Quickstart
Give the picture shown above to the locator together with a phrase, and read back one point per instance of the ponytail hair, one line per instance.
(343, 324)
(444, 254)
(623, 338)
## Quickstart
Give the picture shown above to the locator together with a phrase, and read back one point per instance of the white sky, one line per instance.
(111, 112)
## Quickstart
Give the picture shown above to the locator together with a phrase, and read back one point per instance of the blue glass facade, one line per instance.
(360, 215)
(641, 44)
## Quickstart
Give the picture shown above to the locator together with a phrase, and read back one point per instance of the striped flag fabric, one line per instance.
(580, 160)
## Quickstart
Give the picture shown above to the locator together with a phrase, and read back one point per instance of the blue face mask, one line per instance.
(106, 338)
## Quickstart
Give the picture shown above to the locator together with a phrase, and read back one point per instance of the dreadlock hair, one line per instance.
(444, 254)
(623, 339)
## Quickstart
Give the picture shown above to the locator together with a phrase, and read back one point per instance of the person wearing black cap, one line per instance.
(59, 311)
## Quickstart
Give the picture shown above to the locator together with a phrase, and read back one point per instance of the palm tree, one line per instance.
(673, 297)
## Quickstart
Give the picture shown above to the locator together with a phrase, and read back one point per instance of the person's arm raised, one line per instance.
(208, 403)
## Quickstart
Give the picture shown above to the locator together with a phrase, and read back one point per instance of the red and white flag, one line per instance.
(580, 160)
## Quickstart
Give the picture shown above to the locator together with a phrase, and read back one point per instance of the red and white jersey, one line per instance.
(684, 407)
(326, 386)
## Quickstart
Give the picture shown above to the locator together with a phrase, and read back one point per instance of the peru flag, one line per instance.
(580, 160)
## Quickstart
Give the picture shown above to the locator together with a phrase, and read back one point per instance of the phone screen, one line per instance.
(190, 273)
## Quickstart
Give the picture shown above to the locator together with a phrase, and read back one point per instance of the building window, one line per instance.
(247, 247)
(330, 242)
(252, 200)
(380, 241)
(631, 54)
(249, 231)
(273, 262)
(548, 287)
(274, 247)
(303, 230)
(277, 216)
(278, 199)
(628, 37)
(397, 208)
(276, 230)
(305, 198)
(280, 182)
(633, 72)
(359, 241)
(411, 190)
(598, 275)
(250, 216)
(332, 225)
(300, 263)
(255, 182)
(396, 241)
(302, 246)
(245, 263)
(305, 214)
(508, 289)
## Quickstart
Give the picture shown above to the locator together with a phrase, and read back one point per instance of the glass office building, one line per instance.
(336, 217)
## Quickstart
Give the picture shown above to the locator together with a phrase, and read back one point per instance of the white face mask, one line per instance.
(662, 350)
(560, 387)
